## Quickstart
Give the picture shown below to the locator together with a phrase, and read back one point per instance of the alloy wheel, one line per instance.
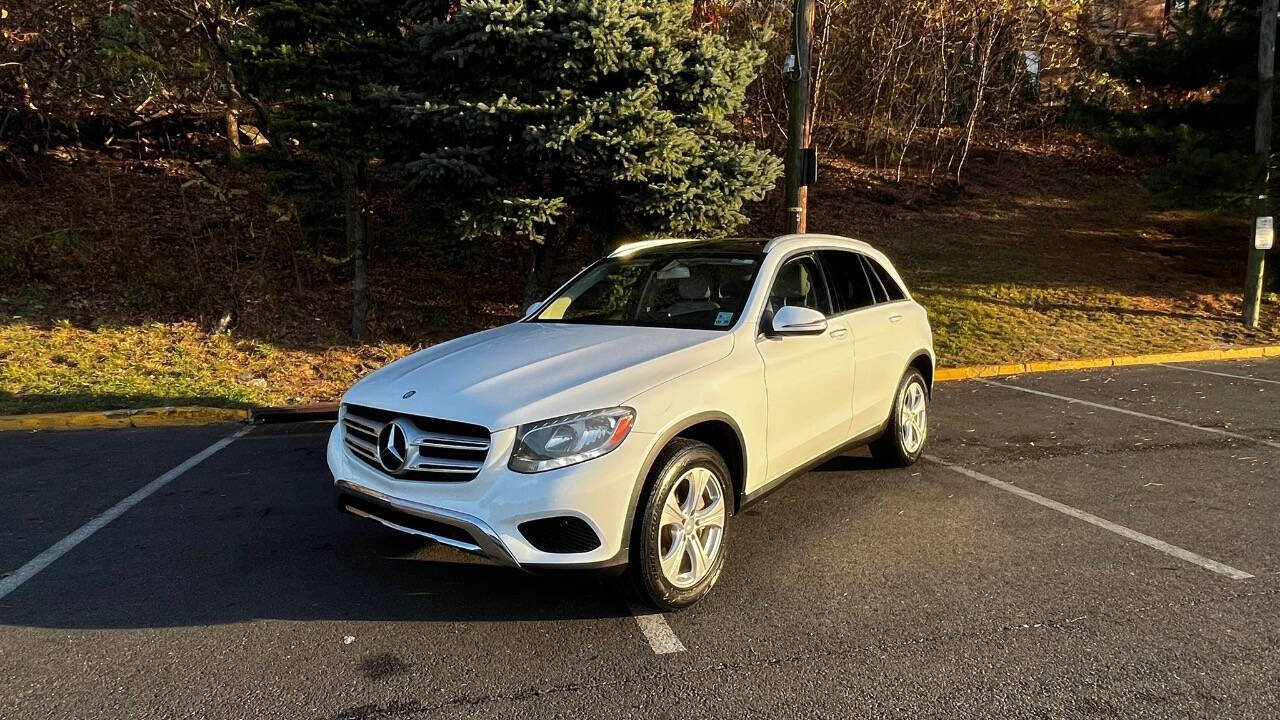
(692, 527)
(913, 419)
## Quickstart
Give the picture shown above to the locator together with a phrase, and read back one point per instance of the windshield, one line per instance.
(680, 289)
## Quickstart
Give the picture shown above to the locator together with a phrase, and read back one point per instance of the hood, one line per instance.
(526, 372)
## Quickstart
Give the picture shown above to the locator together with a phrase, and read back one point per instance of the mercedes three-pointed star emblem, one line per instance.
(393, 446)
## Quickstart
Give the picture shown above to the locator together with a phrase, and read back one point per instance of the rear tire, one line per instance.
(904, 439)
(679, 545)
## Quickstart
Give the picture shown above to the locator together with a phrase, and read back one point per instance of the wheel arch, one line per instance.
(716, 429)
(923, 362)
(723, 435)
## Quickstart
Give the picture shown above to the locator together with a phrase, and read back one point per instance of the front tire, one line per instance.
(678, 551)
(904, 439)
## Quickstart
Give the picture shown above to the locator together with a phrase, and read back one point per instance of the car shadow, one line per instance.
(851, 463)
(254, 534)
(337, 568)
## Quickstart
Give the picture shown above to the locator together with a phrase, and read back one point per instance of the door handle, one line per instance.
(839, 332)
(895, 318)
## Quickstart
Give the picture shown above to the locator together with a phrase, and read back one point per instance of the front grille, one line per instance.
(413, 522)
(563, 534)
(442, 450)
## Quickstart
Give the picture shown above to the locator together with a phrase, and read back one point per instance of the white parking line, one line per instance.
(1220, 374)
(1135, 413)
(1162, 546)
(286, 436)
(661, 637)
(63, 546)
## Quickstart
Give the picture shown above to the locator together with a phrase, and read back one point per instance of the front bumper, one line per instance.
(406, 516)
(483, 515)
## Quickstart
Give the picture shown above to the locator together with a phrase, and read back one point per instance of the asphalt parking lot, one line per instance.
(1086, 544)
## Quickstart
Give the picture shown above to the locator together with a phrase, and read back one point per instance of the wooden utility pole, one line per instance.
(1263, 224)
(798, 157)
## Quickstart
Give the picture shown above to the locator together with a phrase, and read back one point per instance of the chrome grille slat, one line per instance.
(368, 447)
(447, 465)
(445, 450)
(367, 455)
(446, 441)
(373, 427)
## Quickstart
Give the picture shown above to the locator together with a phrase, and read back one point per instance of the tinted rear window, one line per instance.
(850, 288)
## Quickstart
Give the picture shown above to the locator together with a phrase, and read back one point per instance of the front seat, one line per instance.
(695, 296)
(792, 287)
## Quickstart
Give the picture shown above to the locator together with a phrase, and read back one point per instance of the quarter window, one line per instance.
(891, 288)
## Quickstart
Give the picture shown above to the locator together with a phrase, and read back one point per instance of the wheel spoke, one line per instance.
(712, 515)
(711, 537)
(917, 399)
(671, 512)
(697, 479)
(698, 561)
(671, 561)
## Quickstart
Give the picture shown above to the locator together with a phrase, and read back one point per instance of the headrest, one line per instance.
(695, 287)
(794, 283)
(733, 287)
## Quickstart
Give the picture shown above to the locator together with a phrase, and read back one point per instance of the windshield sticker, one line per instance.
(723, 319)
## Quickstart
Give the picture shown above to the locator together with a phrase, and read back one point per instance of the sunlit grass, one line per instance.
(1000, 324)
(69, 368)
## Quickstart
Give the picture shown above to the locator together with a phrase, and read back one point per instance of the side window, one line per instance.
(799, 283)
(850, 289)
(890, 286)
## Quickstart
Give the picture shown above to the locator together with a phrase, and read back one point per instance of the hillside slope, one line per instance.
(112, 276)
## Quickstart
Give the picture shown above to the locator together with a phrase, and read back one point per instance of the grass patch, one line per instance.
(1036, 260)
(48, 369)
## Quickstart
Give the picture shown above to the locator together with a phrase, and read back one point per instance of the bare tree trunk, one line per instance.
(231, 98)
(233, 135)
(353, 175)
(977, 96)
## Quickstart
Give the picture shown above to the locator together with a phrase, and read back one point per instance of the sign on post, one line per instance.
(1264, 234)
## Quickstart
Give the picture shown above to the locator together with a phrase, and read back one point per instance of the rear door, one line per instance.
(881, 354)
(867, 307)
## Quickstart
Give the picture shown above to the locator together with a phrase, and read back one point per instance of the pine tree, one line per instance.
(572, 119)
(320, 69)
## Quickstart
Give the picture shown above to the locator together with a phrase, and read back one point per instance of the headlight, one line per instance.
(568, 440)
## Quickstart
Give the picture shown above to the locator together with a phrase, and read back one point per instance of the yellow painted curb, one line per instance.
(986, 371)
(145, 417)
(198, 415)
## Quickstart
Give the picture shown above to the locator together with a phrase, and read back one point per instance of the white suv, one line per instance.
(625, 418)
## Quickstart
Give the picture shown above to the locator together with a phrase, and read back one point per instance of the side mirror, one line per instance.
(794, 320)
(529, 310)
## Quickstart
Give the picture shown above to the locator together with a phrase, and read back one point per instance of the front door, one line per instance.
(808, 378)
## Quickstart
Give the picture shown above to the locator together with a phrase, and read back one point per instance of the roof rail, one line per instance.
(816, 237)
(631, 247)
